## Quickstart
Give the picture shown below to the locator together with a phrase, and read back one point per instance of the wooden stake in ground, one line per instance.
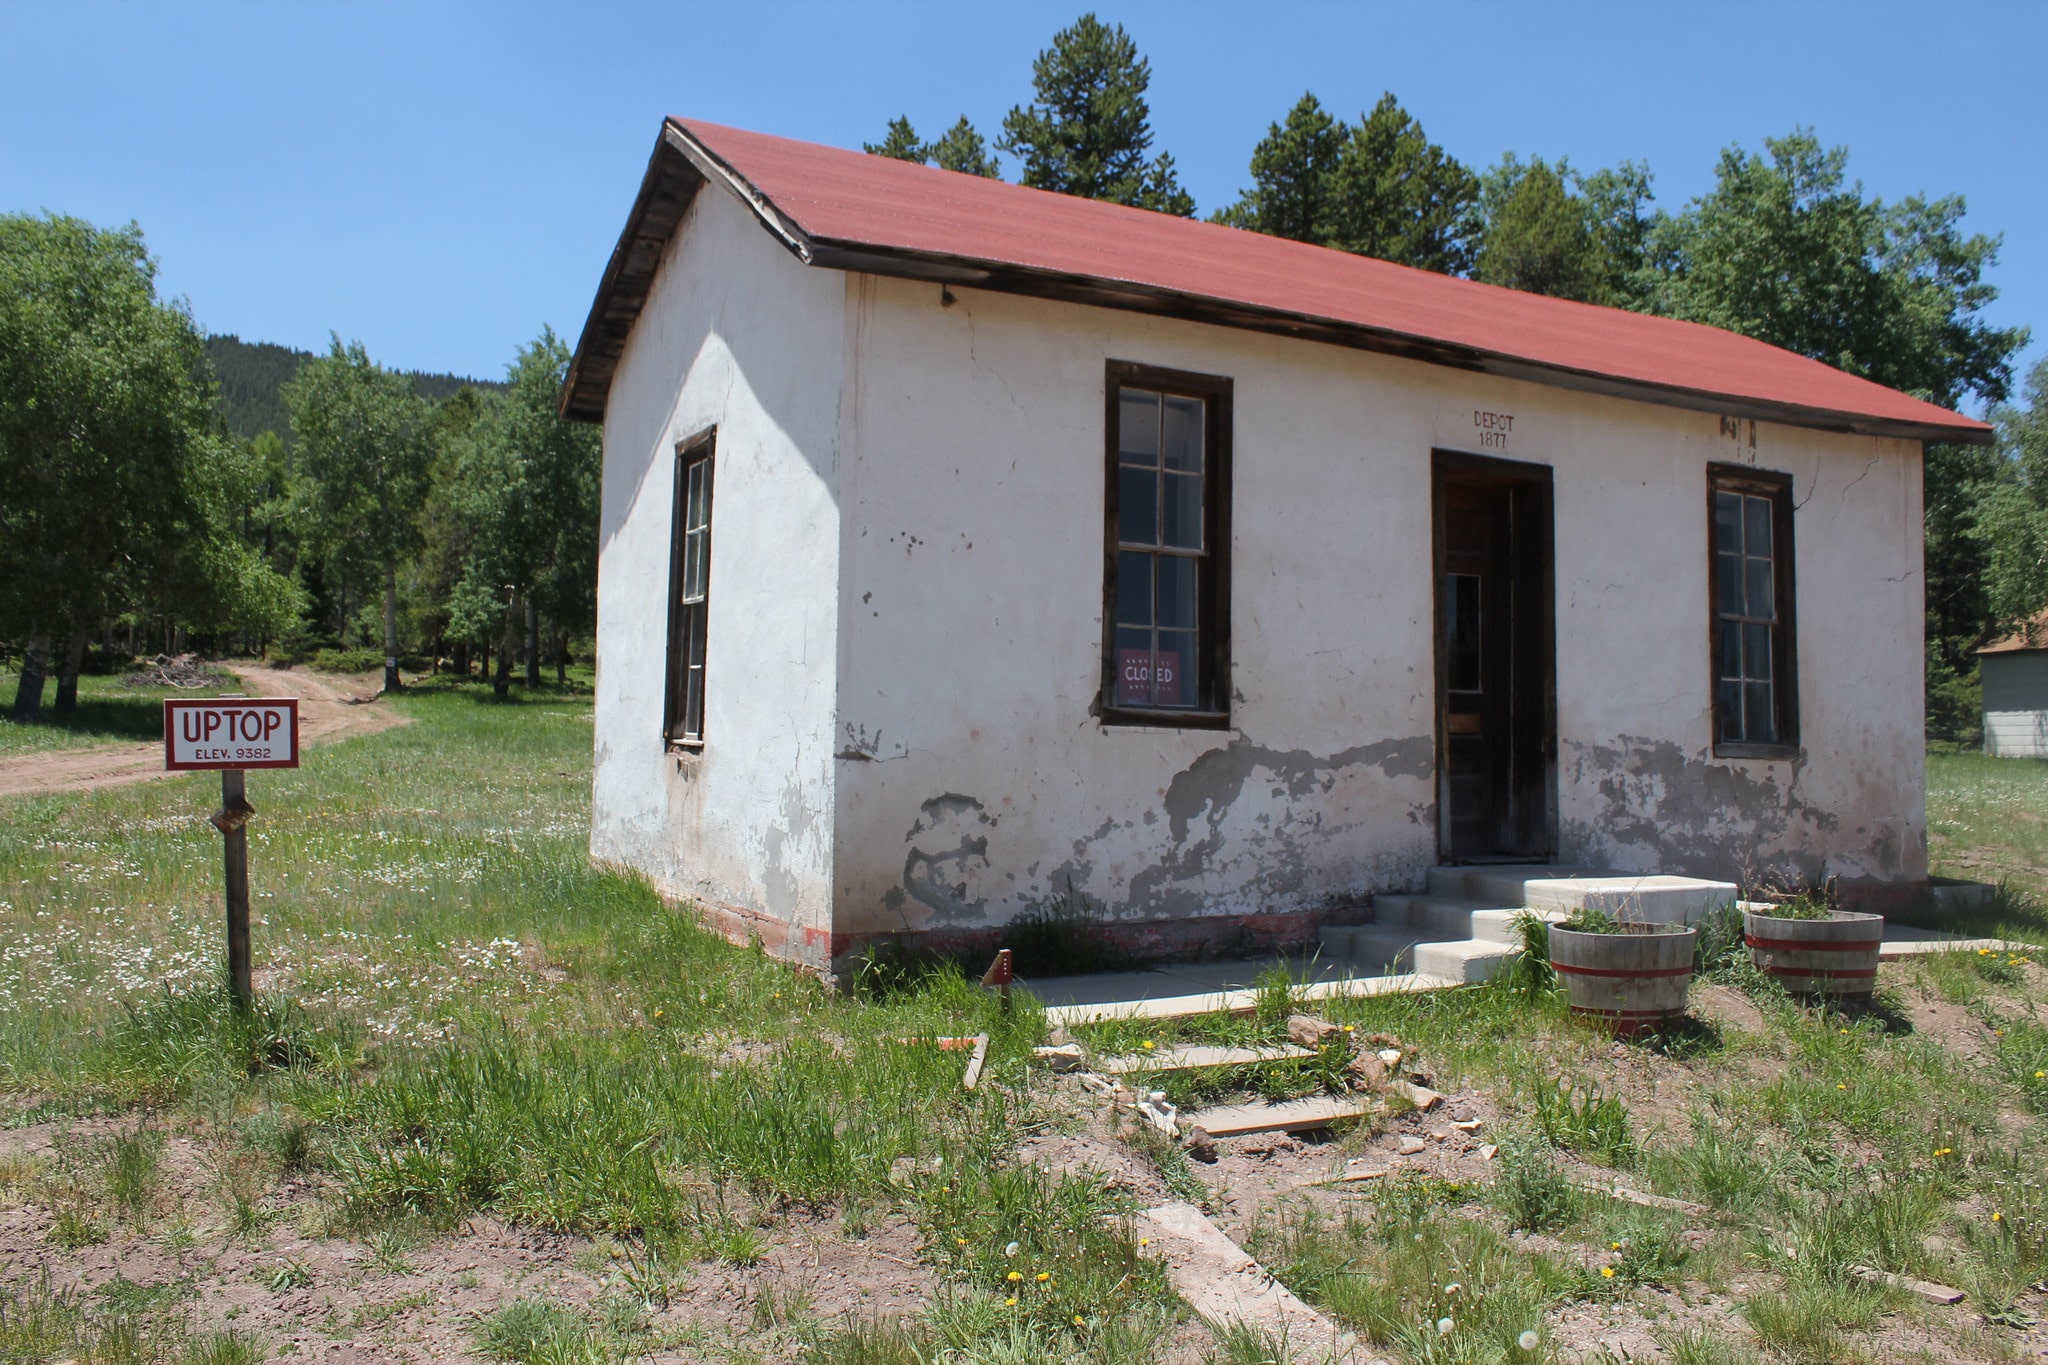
(233, 734)
(232, 821)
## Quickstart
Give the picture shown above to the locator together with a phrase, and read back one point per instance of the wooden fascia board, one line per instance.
(1130, 297)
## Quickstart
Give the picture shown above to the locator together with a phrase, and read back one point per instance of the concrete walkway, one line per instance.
(1176, 990)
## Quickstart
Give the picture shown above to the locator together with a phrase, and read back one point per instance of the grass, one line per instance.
(460, 1016)
(1987, 820)
(109, 712)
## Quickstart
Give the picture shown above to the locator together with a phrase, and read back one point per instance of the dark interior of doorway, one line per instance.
(1495, 660)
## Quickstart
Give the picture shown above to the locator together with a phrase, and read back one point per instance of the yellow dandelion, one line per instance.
(1043, 1276)
(1144, 1241)
(1014, 1276)
(1998, 1218)
(1614, 1246)
(1839, 1085)
(1080, 1321)
(1010, 1302)
(1147, 1045)
(960, 1241)
(1606, 1272)
(2041, 1075)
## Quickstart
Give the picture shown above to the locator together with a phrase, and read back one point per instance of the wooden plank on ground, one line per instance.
(1239, 1001)
(1188, 1058)
(1933, 1293)
(1288, 1116)
(1224, 1285)
(1648, 1201)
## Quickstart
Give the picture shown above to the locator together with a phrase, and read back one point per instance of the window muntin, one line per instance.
(1755, 691)
(1165, 566)
(690, 593)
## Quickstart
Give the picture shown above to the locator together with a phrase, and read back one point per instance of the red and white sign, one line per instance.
(1148, 679)
(232, 732)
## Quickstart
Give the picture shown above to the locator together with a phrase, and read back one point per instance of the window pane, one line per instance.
(1133, 588)
(1728, 658)
(1728, 712)
(1760, 594)
(1756, 653)
(1173, 669)
(693, 509)
(694, 646)
(1727, 522)
(1728, 600)
(1133, 667)
(1757, 525)
(1184, 434)
(1137, 506)
(1758, 726)
(1181, 518)
(1176, 592)
(693, 565)
(693, 703)
(1138, 426)
(1461, 631)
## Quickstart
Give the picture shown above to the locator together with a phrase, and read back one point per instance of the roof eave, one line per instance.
(681, 164)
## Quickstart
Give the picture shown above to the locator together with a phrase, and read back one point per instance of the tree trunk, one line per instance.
(67, 677)
(460, 663)
(35, 664)
(561, 658)
(532, 644)
(507, 643)
(391, 625)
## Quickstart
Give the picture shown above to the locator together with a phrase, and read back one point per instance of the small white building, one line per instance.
(2014, 671)
(968, 547)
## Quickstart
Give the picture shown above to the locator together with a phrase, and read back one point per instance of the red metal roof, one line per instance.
(857, 211)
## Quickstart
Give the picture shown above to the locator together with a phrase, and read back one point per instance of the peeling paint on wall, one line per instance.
(947, 875)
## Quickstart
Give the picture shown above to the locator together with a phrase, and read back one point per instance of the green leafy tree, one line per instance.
(114, 488)
(1784, 249)
(1088, 132)
(363, 459)
(1539, 234)
(528, 485)
(960, 149)
(2011, 515)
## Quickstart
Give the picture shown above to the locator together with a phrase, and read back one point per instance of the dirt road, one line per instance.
(330, 708)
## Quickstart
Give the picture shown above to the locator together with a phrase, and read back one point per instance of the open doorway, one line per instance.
(1496, 677)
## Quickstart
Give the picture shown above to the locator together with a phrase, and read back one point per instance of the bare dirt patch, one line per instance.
(331, 708)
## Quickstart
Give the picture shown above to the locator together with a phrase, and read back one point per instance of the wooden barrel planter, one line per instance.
(1633, 981)
(1835, 957)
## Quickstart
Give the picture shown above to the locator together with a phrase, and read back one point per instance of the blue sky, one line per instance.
(439, 180)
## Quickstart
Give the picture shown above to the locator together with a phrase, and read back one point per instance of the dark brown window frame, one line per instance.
(1212, 618)
(699, 449)
(1784, 634)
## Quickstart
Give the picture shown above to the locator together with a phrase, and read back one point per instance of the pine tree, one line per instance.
(1088, 131)
(1292, 173)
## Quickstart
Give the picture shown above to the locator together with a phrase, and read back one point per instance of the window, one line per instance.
(1756, 687)
(1166, 591)
(689, 592)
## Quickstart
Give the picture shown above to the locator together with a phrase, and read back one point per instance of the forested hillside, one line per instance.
(253, 374)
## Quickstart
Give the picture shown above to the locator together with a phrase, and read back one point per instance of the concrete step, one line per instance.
(1427, 916)
(1371, 949)
(1630, 895)
(1468, 960)
(1499, 926)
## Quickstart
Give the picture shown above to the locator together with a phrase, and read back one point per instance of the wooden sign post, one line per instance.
(233, 734)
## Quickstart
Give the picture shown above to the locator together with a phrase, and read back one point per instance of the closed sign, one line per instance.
(232, 733)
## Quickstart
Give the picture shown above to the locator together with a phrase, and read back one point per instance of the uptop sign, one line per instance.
(232, 732)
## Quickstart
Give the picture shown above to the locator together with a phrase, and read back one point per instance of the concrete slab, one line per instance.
(1653, 899)
(1906, 940)
(1224, 1285)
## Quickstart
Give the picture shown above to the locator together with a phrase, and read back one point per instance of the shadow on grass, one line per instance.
(2009, 913)
(139, 717)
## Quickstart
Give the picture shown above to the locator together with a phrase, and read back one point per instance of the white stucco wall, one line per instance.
(2015, 704)
(973, 781)
(736, 334)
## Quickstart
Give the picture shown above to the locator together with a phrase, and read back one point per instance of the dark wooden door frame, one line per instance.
(1535, 606)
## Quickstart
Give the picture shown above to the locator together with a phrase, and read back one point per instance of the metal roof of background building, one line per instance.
(854, 211)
